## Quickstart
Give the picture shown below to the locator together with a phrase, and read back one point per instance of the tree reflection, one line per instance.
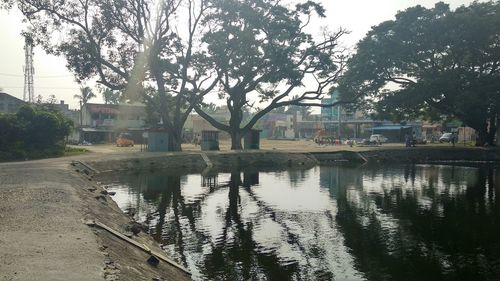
(235, 255)
(444, 229)
(394, 223)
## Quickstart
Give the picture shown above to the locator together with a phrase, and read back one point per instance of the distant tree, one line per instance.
(262, 54)
(85, 95)
(110, 96)
(280, 109)
(51, 99)
(138, 47)
(305, 111)
(39, 99)
(209, 108)
(432, 62)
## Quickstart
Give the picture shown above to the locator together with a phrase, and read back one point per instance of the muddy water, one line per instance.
(327, 223)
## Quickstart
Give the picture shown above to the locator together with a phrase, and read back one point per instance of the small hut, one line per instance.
(157, 140)
(252, 139)
(209, 140)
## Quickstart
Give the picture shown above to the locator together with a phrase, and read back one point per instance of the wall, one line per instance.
(9, 104)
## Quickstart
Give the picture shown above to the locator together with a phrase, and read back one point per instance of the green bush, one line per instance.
(32, 133)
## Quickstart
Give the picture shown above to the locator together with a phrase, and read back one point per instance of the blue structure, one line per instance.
(330, 113)
(157, 140)
(252, 139)
(209, 140)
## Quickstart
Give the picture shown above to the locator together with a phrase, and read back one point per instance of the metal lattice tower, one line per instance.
(29, 70)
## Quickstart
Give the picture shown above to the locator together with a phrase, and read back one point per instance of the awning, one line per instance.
(97, 130)
(388, 128)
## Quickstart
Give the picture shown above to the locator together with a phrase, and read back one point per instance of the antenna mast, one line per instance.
(29, 70)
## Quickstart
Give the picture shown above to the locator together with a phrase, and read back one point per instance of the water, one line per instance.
(412, 222)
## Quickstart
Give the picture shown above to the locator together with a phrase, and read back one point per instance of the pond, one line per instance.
(413, 222)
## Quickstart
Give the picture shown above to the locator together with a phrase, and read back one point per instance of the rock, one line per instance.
(135, 227)
(153, 261)
(131, 211)
(101, 198)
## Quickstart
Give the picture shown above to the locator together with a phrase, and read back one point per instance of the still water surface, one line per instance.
(417, 222)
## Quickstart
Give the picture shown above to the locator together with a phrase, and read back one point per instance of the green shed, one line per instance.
(209, 140)
(157, 140)
(252, 139)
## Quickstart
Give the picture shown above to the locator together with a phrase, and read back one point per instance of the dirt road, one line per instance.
(43, 205)
(41, 233)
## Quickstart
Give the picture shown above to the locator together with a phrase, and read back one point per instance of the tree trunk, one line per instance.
(492, 130)
(498, 131)
(236, 139)
(175, 140)
(482, 136)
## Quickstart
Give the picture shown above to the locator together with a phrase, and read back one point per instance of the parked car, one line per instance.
(377, 138)
(446, 137)
(124, 139)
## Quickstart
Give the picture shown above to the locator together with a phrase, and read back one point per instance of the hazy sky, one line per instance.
(52, 77)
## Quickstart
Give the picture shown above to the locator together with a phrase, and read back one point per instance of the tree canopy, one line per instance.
(138, 47)
(34, 131)
(262, 54)
(173, 53)
(432, 62)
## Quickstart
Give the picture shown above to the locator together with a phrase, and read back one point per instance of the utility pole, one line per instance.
(29, 70)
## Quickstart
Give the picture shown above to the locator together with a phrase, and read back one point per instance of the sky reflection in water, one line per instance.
(326, 223)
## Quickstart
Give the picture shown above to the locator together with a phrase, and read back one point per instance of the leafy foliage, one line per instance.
(432, 63)
(129, 46)
(85, 95)
(33, 132)
(261, 52)
(111, 97)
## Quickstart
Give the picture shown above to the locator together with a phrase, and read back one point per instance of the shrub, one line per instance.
(33, 132)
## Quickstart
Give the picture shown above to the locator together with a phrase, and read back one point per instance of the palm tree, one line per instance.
(85, 95)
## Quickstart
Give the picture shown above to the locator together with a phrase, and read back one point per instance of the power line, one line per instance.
(41, 76)
(50, 88)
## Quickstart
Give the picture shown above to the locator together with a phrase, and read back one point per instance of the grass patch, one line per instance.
(71, 151)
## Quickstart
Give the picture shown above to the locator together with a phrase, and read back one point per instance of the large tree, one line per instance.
(432, 62)
(135, 46)
(263, 55)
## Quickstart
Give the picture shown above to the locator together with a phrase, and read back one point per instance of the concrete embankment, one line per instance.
(45, 207)
(200, 160)
(412, 155)
(197, 161)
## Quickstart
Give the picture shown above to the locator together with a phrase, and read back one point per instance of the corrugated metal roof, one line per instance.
(390, 128)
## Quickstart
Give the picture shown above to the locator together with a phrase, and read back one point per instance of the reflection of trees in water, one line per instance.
(236, 254)
(446, 229)
(297, 175)
(240, 259)
(236, 260)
